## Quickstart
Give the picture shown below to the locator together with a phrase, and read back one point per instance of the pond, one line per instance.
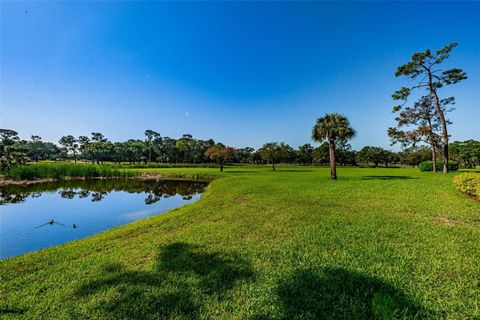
(41, 215)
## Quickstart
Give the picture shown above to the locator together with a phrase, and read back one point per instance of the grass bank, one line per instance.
(377, 243)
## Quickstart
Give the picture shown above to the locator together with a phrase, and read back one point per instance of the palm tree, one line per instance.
(332, 128)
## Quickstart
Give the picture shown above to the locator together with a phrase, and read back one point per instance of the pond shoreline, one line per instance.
(41, 215)
(140, 176)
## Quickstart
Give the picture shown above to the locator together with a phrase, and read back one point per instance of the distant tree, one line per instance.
(286, 153)
(98, 137)
(466, 152)
(70, 144)
(220, 154)
(389, 157)
(424, 69)
(119, 152)
(184, 147)
(97, 146)
(150, 137)
(133, 150)
(320, 154)
(8, 137)
(84, 147)
(414, 155)
(36, 149)
(333, 128)
(166, 150)
(371, 154)
(344, 154)
(305, 154)
(10, 153)
(198, 149)
(50, 151)
(245, 155)
(271, 152)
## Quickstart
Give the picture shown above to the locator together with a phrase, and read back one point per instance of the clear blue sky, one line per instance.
(242, 73)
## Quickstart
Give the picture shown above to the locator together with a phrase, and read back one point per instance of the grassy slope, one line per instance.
(266, 245)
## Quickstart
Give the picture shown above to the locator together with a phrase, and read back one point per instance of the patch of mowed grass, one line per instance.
(61, 170)
(290, 244)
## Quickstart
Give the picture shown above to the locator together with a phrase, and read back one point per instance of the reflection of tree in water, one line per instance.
(67, 194)
(83, 194)
(7, 197)
(98, 196)
(35, 194)
(152, 198)
(99, 189)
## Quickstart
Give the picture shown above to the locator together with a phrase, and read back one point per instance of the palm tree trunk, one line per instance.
(333, 167)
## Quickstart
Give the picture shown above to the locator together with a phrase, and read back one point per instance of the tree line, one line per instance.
(96, 148)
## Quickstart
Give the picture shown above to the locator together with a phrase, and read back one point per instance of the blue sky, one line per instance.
(239, 72)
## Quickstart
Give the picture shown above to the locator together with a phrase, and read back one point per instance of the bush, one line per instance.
(468, 183)
(428, 166)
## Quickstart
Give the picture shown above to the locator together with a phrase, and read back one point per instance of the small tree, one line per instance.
(419, 123)
(220, 154)
(151, 137)
(10, 154)
(84, 146)
(333, 128)
(371, 154)
(271, 153)
(70, 144)
(97, 146)
(424, 69)
(305, 154)
(37, 146)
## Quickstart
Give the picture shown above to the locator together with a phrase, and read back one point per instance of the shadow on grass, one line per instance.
(293, 170)
(341, 294)
(386, 178)
(242, 171)
(184, 276)
(5, 311)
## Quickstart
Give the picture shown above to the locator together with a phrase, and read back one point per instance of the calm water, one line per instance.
(47, 214)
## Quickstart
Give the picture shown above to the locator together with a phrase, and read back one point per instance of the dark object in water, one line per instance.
(51, 222)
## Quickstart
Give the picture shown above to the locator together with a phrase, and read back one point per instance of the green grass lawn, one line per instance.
(290, 244)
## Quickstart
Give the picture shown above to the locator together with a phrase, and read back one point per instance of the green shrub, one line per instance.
(63, 170)
(468, 183)
(428, 166)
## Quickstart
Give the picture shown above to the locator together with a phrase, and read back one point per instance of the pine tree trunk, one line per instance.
(434, 158)
(441, 116)
(273, 166)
